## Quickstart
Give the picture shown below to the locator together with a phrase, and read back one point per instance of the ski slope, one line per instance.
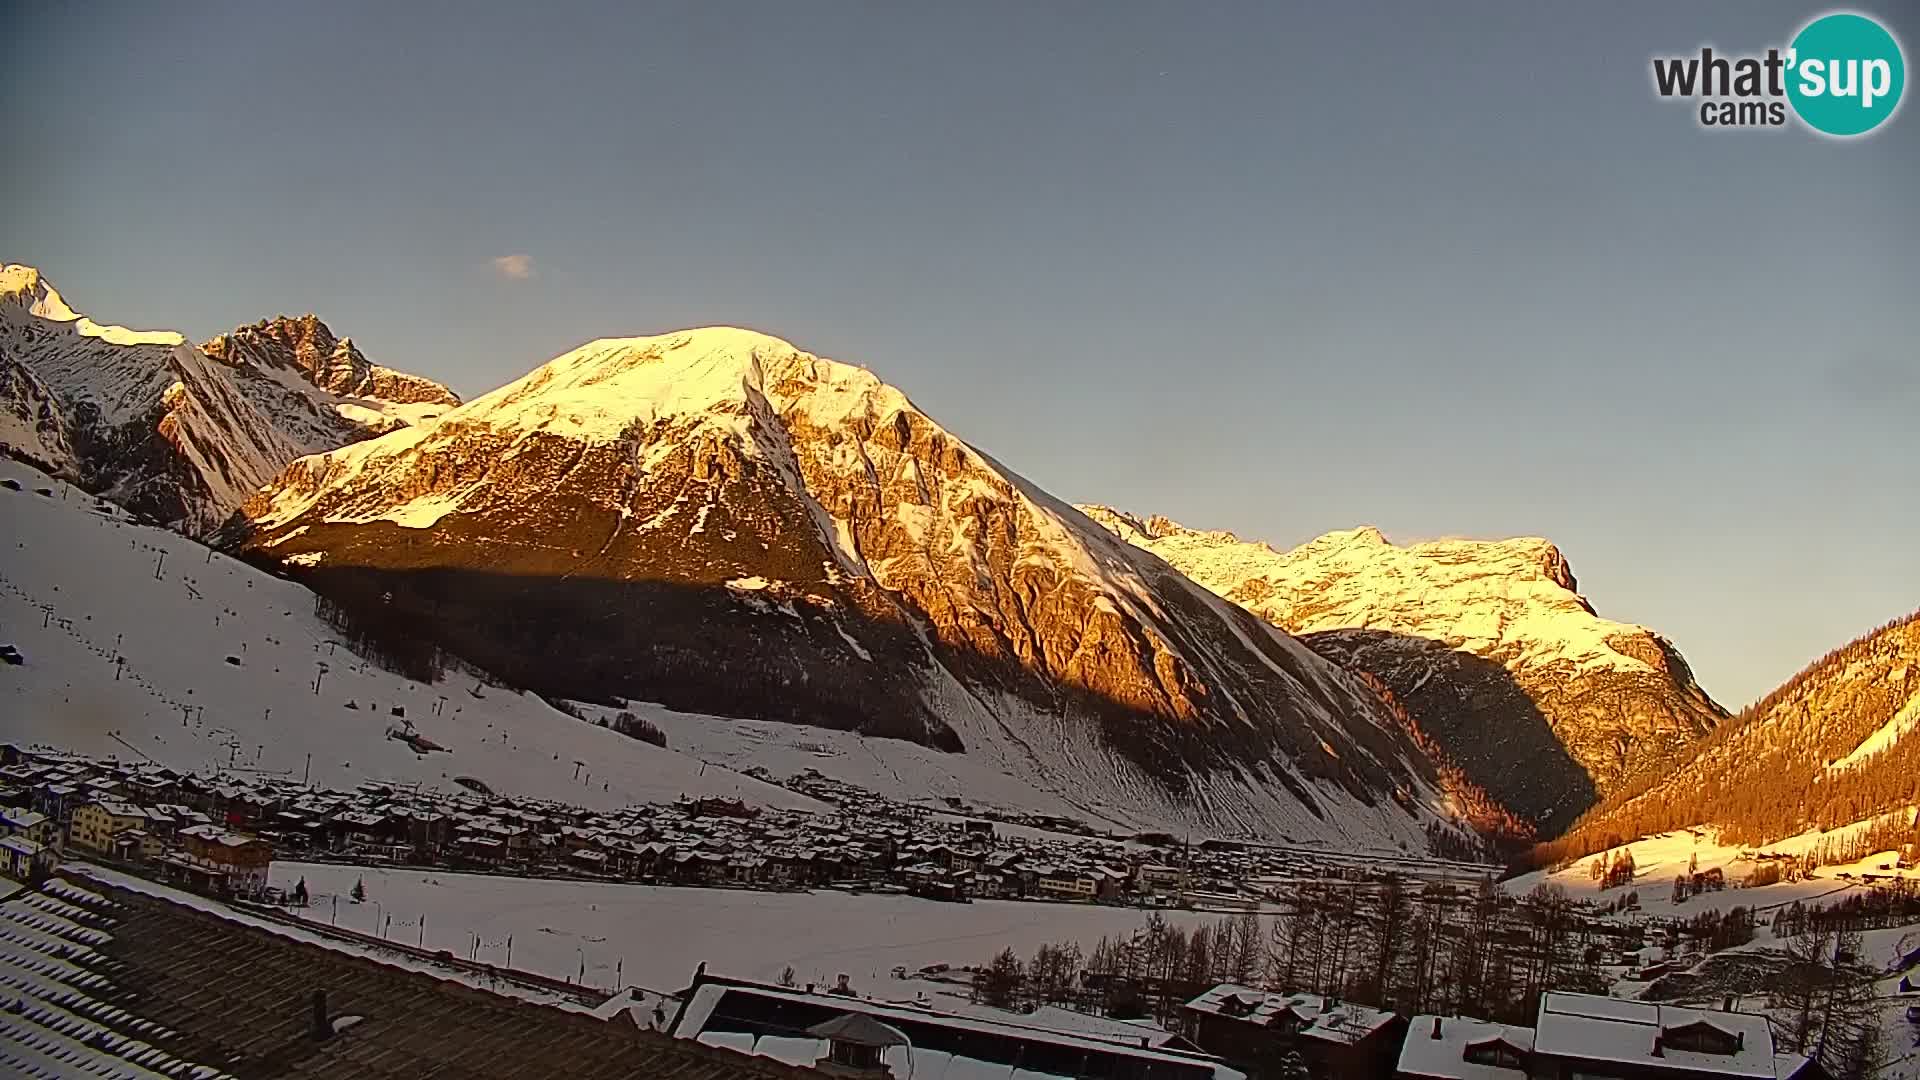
(80, 581)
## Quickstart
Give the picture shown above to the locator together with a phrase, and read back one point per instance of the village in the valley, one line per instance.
(1213, 958)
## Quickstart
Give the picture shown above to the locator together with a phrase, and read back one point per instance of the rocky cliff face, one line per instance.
(1489, 644)
(362, 393)
(148, 420)
(31, 423)
(721, 522)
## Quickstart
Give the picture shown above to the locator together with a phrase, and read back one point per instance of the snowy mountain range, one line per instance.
(719, 522)
(220, 664)
(1488, 643)
(176, 433)
(778, 557)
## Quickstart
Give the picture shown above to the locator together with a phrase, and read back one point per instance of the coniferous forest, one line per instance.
(1838, 743)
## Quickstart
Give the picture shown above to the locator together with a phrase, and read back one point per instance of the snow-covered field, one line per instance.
(893, 768)
(656, 935)
(1657, 859)
(177, 612)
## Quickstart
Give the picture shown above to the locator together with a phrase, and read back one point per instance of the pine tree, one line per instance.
(1248, 955)
(1004, 978)
(1850, 1046)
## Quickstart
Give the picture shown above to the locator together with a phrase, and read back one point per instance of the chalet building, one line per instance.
(57, 801)
(21, 857)
(363, 829)
(1456, 1048)
(220, 861)
(1255, 1031)
(162, 822)
(1160, 878)
(31, 825)
(746, 870)
(589, 860)
(1068, 884)
(110, 827)
(294, 830)
(852, 1038)
(153, 787)
(479, 850)
(1582, 1035)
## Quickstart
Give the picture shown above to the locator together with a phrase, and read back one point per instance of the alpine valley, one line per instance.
(1489, 644)
(785, 564)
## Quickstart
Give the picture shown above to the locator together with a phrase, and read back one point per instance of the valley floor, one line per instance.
(1657, 859)
(654, 936)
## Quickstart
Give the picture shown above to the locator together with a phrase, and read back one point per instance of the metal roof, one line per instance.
(97, 979)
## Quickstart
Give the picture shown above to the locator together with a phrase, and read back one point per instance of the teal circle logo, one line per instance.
(1845, 74)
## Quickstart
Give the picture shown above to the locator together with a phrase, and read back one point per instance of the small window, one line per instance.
(853, 1055)
(1702, 1038)
(1497, 1054)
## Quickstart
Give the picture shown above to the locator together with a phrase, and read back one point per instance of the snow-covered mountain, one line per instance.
(223, 666)
(1837, 745)
(1488, 643)
(719, 522)
(163, 428)
(325, 384)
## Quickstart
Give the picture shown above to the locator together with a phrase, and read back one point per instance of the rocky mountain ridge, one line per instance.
(169, 430)
(724, 523)
(1488, 643)
(1835, 746)
(367, 397)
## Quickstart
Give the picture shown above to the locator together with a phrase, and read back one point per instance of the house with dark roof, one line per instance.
(852, 1037)
(103, 975)
(1256, 1030)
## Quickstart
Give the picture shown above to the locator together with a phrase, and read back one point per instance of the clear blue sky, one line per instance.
(1281, 269)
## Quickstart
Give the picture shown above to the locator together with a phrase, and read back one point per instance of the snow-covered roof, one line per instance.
(706, 1008)
(120, 809)
(93, 970)
(1593, 1028)
(1438, 1046)
(1318, 1017)
(20, 817)
(1055, 1018)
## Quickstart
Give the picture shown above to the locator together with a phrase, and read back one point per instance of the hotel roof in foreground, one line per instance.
(102, 975)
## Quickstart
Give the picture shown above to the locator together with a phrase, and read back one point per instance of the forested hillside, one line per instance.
(1838, 743)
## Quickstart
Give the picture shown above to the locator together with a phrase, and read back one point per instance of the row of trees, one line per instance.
(1412, 949)
(1491, 829)
(1441, 950)
(385, 639)
(1879, 909)
(1436, 949)
(1149, 972)
(1615, 872)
